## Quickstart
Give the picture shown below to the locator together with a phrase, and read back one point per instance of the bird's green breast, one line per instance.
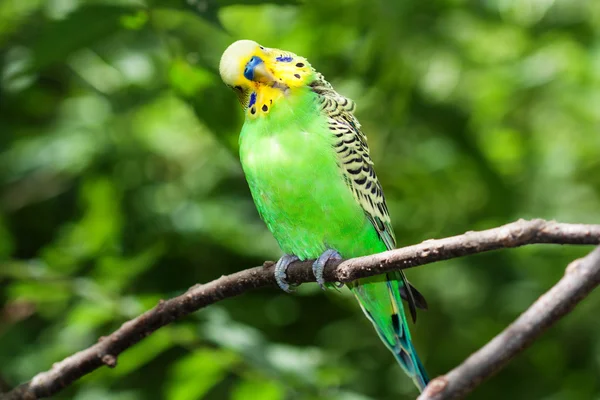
(291, 168)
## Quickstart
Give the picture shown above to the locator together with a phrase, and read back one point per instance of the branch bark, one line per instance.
(107, 349)
(581, 277)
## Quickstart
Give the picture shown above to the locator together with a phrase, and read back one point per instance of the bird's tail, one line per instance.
(380, 299)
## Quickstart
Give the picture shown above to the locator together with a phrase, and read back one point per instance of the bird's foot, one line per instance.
(282, 265)
(319, 265)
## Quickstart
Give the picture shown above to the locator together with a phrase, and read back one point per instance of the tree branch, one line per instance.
(581, 277)
(106, 350)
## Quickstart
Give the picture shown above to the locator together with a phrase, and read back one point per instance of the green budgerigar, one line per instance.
(308, 167)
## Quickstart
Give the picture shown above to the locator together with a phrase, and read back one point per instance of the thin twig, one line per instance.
(581, 277)
(107, 349)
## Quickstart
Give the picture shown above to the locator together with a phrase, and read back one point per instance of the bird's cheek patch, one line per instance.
(252, 100)
(263, 101)
(265, 105)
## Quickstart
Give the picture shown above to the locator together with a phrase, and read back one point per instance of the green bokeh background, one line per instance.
(120, 185)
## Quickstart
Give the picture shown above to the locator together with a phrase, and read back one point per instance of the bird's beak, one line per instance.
(263, 75)
(257, 71)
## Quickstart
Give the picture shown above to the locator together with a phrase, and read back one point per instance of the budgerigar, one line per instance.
(310, 174)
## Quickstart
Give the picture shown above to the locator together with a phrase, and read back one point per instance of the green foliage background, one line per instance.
(120, 185)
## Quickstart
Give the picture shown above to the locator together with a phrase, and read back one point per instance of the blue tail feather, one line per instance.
(380, 299)
(407, 357)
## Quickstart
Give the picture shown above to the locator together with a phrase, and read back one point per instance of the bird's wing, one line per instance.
(350, 144)
(352, 151)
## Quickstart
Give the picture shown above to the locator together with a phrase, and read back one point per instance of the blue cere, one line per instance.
(284, 59)
(249, 70)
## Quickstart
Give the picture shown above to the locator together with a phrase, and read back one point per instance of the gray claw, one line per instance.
(319, 265)
(282, 264)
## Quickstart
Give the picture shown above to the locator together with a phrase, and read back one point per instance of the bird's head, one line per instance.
(260, 76)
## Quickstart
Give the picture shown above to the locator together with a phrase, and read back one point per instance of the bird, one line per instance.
(313, 182)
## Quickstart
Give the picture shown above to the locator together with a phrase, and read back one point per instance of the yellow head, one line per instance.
(261, 76)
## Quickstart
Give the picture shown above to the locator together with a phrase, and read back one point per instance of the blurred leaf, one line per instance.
(6, 240)
(81, 28)
(209, 9)
(143, 352)
(88, 315)
(98, 393)
(135, 21)
(257, 388)
(49, 298)
(195, 374)
(188, 80)
(96, 231)
(117, 272)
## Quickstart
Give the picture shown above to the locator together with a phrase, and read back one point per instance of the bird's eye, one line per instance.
(238, 88)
